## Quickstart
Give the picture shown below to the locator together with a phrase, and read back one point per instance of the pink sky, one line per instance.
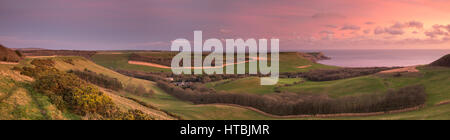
(152, 24)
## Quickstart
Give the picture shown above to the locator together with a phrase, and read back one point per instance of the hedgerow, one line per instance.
(306, 103)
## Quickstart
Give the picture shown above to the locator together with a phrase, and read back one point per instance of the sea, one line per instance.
(381, 58)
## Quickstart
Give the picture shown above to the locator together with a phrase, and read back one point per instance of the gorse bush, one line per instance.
(307, 104)
(68, 92)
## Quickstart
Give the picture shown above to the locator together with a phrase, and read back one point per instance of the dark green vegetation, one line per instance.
(44, 52)
(98, 79)
(9, 55)
(306, 104)
(69, 93)
(342, 73)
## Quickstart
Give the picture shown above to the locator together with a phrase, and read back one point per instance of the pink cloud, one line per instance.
(350, 27)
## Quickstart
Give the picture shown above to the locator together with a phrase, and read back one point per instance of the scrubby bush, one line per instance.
(69, 61)
(43, 63)
(86, 54)
(139, 90)
(18, 53)
(99, 79)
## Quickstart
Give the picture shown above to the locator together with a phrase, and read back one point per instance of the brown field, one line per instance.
(303, 67)
(399, 70)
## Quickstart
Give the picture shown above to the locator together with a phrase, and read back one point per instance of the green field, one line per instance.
(289, 61)
(249, 85)
(120, 62)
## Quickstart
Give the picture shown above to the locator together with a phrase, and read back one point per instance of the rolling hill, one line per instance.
(444, 61)
(9, 55)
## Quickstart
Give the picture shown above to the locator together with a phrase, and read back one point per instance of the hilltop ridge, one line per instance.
(443, 61)
(9, 55)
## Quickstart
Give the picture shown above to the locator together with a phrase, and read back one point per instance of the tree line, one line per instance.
(306, 103)
(334, 74)
(99, 79)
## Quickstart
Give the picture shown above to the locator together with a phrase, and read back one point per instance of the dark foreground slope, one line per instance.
(444, 61)
(9, 55)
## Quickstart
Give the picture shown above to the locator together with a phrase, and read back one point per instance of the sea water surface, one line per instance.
(380, 58)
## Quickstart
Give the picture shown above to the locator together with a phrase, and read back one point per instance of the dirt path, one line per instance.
(443, 103)
(303, 67)
(40, 56)
(8, 63)
(405, 69)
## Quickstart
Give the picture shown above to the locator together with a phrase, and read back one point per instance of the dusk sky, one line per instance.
(153, 24)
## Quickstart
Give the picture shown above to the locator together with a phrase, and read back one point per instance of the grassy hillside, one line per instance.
(18, 100)
(161, 99)
(435, 80)
(444, 61)
(9, 55)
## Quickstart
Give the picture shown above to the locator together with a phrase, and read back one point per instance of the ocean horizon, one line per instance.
(380, 58)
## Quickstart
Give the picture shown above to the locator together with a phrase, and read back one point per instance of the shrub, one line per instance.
(139, 90)
(135, 115)
(69, 61)
(43, 63)
(99, 79)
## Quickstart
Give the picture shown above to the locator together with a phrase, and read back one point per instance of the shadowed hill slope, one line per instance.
(444, 61)
(9, 55)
